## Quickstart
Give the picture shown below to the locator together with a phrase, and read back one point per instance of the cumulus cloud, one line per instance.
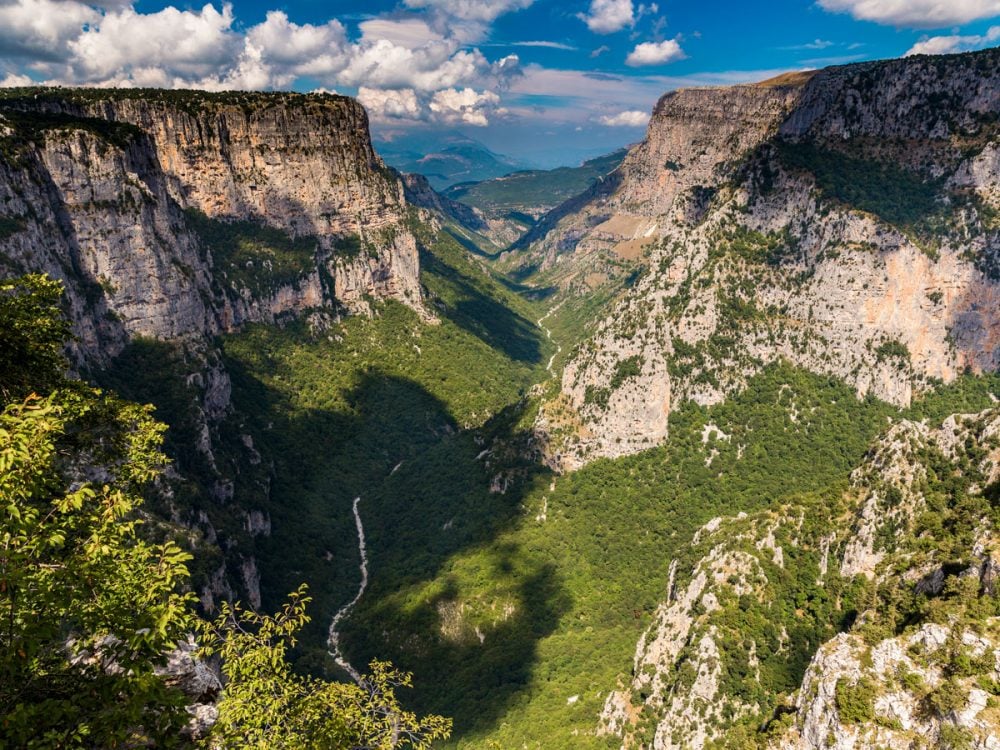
(428, 68)
(919, 14)
(505, 71)
(629, 119)
(452, 106)
(41, 29)
(943, 45)
(655, 53)
(389, 105)
(68, 42)
(405, 66)
(465, 106)
(299, 47)
(608, 16)
(12, 80)
(186, 42)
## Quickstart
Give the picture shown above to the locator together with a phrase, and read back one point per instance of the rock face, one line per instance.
(419, 193)
(694, 136)
(127, 197)
(737, 615)
(897, 713)
(842, 220)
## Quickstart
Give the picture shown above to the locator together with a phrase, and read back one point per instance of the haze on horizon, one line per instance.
(543, 81)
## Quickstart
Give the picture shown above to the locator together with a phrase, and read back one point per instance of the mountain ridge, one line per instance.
(774, 194)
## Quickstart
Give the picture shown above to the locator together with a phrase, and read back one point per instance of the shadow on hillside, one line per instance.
(469, 245)
(425, 500)
(484, 317)
(536, 293)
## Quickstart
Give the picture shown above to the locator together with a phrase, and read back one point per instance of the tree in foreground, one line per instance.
(88, 610)
(267, 705)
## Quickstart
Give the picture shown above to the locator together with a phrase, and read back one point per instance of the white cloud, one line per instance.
(12, 80)
(466, 20)
(289, 44)
(450, 106)
(429, 68)
(40, 29)
(472, 10)
(465, 106)
(187, 42)
(943, 45)
(505, 71)
(815, 44)
(387, 105)
(655, 53)
(646, 10)
(410, 33)
(547, 45)
(251, 73)
(920, 14)
(608, 16)
(629, 119)
(203, 49)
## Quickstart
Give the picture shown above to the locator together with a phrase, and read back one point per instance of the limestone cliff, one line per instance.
(842, 220)
(147, 203)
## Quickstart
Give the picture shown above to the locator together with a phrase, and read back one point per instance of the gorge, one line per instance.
(706, 456)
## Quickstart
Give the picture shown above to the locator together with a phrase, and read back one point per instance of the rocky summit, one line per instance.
(694, 446)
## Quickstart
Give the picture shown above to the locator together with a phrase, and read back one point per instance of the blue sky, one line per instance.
(544, 80)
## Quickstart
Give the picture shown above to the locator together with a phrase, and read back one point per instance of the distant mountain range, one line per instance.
(534, 191)
(447, 160)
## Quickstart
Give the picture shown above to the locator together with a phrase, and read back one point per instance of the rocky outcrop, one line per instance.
(924, 98)
(891, 679)
(696, 139)
(678, 696)
(856, 696)
(199, 681)
(419, 193)
(841, 221)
